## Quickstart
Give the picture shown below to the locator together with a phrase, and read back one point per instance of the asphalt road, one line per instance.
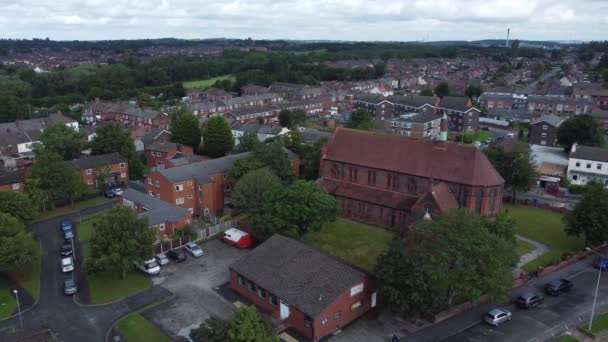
(550, 319)
(60, 313)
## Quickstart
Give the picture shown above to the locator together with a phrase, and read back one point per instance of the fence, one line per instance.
(207, 232)
(201, 234)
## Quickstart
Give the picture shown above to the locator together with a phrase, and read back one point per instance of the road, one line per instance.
(60, 313)
(550, 319)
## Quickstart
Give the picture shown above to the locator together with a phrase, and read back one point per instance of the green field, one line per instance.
(93, 202)
(544, 226)
(86, 226)
(357, 243)
(206, 83)
(567, 338)
(8, 304)
(135, 328)
(524, 247)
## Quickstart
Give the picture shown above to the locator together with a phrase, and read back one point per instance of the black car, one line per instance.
(66, 248)
(177, 255)
(530, 300)
(558, 286)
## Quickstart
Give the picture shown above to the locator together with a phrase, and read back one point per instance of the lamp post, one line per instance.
(18, 307)
(597, 285)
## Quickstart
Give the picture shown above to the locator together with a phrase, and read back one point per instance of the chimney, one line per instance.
(573, 148)
(443, 128)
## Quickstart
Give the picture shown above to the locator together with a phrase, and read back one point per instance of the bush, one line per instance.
(578, 189)
(567, 255)
(556, 260)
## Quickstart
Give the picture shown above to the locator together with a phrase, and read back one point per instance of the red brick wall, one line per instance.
(115, 169)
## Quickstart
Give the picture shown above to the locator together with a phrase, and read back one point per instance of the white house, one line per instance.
(586, 164)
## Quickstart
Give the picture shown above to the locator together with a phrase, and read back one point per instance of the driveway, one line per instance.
(194, 280)
(60, 313)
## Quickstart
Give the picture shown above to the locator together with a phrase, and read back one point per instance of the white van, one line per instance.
(67, 264)
(149, 267)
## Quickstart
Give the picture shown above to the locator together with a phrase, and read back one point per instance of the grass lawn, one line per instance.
(30, 279)
(567, 338)
(524, 247)
(135, 328)
(206, 83)
(357, 243)
(600, 323)
(544, 226)
(77, 206)
(85, 227)
(8, 304)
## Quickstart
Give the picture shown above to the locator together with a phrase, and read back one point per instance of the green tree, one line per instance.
(212, 330)
(359, 119)
(469, 259)
(426, 92)
(246, 325)
(442, 90)
(249, 190)
(63, 140)
(300, 207)
(247, 142)
(590, 216)
(285, 118)
(18, 205)
(33, 191)
(120, 237)
(537, 70)
(243, 166)
(582, 129)
(516, 167)
(217, 137)
(275, 157)
(186, 130)
(111, 137)
(18, 249)
(473, 91)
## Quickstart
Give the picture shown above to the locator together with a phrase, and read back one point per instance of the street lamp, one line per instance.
(18, 307)
(597, 286)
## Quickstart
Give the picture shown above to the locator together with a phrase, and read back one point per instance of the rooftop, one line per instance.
(98, 160)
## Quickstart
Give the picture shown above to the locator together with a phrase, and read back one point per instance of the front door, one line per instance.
(284, 310)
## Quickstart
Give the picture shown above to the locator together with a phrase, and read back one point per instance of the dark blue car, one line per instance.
(67, 227)
(602, 263)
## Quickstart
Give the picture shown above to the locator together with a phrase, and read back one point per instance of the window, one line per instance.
(355, 290)
(545, 127)
(478, 201)
(324, 321)
(179, 187)
(308, 321)
(150, 193)
(543, 135)
(356, 306)
(273, 300)
(189, 196)
(371, 177)
(123, 175)
(335, 172)
(588, 165)
(122, 165)
(90, 182)
(161, 226)
(337, 315)
(261, 293)
(158, 195)
(189, 183)
(578, 164)
(179, 200)
(240, 280)
(157, 184)
(250, 286)
(599, 166)
(150, 181)
(89, 171)
(227, 188)
(575, 177)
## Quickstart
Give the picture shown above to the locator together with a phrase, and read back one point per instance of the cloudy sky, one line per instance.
(403, 20)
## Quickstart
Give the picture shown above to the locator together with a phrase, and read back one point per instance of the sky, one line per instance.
(356, 20)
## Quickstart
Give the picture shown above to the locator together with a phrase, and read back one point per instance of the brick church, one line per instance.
(393, 181)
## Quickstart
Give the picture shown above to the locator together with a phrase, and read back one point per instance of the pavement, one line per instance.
(67, 319)
(196, 280)
(540, 249)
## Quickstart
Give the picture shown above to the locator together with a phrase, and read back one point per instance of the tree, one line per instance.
(217, 137)
(285, 119)
(247, 142)
(292, 118)
(516, 167)
(537, 70)
(63, 140)
(582, 129)
(275, 157)
(246, 325)
(18, 205)
(120, 237)
(473, 91)
(185, 129)
(18, 249)
(35, 194)
(590, 217)
(212, 330)
(359, 119)
(442, 90)
(249, 190)
(300, 207)
(243, 166)
(111, 137)
(426, 92)
(468, 259)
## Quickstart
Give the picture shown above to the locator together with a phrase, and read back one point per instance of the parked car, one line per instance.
(477, 144)
(497, 317)
(601, 263)
(67, 264)
(488, 141)
(557, 286)
(118, 191)
(237, 237)
(69, 286)
(149, 267)
(529, 300)
(161, 259)
(194, 249)
(66, 248)
(109, 193)
(68, 234)
(67, 228)
(510, 135)
(177, 255)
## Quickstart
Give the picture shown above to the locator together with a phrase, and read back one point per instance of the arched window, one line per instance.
(478, 201)
(492, 201)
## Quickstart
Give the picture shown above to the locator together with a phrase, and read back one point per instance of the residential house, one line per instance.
(311, 106)
(112, 167)
(314, 293)
(394, 181)
(164, 217)
(263, 132)
(125, 113)
(543, 130)
(596, 92)
(20, 136)
(13, 180)
(542, 104)
(253, 114)
(252, 89)
(162, 154)
(412, 104)
(587, 164)
(416, 125)
(601, 116)
(151, 136)
(460, 111)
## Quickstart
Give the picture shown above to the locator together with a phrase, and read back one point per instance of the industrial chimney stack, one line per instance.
(507, 41)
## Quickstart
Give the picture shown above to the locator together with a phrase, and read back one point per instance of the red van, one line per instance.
(237, 237)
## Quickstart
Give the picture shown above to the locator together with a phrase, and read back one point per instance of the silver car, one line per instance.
(497, 317)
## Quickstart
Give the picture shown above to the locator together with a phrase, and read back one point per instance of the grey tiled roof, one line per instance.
(158, 211)
(298, 274)
(590, 153)
(412, 100)
(418, 118)
(252, 110)
(551, 119)
(98, 160)
(202, 169)
(454, 103)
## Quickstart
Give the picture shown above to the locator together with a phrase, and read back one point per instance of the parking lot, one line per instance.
(193, 281)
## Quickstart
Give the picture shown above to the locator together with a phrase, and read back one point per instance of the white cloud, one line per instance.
(305, 19)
